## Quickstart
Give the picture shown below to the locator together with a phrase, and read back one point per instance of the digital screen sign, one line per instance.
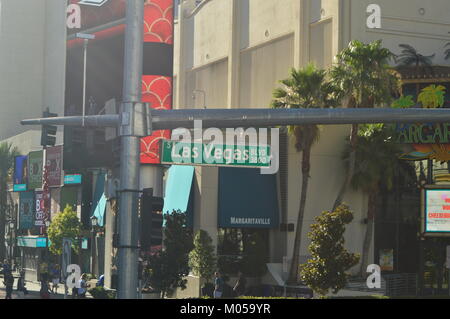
(437, 211)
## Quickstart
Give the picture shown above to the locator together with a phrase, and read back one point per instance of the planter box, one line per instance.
(152, 295)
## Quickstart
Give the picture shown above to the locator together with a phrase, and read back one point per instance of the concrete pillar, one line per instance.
(301, 33)
(206, 198)
(234, 55)
(180, 96)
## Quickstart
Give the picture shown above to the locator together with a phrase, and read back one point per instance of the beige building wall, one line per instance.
(252, 53)
(32, 61)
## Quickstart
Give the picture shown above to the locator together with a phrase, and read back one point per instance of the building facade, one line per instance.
(231, 54)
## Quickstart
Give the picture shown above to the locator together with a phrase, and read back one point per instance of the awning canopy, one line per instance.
(33, 241)
(247, 199)
(179, 191)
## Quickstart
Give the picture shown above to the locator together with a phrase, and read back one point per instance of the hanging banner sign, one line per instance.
(54, 163)
(35, 167)
(40, 215)
(20, 170)
(26, 205)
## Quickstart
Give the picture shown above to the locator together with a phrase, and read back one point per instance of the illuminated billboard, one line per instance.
(436, 211)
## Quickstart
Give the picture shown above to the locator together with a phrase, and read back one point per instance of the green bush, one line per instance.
(101, 293)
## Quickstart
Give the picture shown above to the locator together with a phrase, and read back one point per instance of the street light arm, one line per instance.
(224, 118)
(110, 120)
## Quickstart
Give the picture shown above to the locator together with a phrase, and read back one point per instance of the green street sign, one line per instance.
(198, 154)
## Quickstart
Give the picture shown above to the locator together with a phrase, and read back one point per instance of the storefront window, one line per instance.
(243, 249)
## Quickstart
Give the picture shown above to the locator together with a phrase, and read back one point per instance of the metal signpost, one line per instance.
(136, 121)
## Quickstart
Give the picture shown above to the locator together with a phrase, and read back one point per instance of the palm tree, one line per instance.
(377, 164)
(447, 52)
(410, 57)
(7, 154)
(364, 79)
(305, 88)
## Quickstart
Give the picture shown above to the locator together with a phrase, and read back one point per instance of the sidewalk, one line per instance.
(33, 291)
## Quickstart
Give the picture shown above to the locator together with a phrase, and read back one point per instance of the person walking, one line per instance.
(43, 271)
(83, 287)
(9, 283)
(45, 290)
(55, 273)
(6, 268)
(218, 285)
(239, 288)
(21, 284)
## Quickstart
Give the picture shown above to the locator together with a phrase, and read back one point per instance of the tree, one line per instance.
(65, 225)
(305, 88)
(7, 155)
(168, 268)
(447, 52)
(410, 56)
(365, 80)
(202, 258)
(326, 269)
(377, 164)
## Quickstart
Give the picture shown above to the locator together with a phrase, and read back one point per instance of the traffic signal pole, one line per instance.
(128, 250)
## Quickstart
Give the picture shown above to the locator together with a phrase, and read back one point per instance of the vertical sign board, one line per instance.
(40, 213)
(54, 164)
(436, 211)
(35, 166)
(158, 69)
(26, 211)
(20, 173)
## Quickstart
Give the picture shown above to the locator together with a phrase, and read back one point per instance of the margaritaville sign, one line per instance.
(423, 133)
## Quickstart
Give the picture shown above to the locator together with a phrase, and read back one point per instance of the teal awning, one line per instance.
(99, 199)
(33, 241)
(178, 191)
(247, 199)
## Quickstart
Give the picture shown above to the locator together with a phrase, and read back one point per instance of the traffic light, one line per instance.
(48, 136)
(150, 219)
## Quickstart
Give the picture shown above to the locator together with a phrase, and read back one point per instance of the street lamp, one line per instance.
(11, 229)
(86, 37)
(47, 224)
(94, 223)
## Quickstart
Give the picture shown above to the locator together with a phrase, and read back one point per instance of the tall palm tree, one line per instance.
(365, 79)
(305, 88)
(7, 154)
(377, 164)
(410, 57)
(447, 52)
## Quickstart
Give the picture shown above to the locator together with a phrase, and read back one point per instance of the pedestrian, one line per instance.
(45, 290)
(21, 284)
(9, 283)
(101, 281)
(239, 288)
(43, 270)
(218, 285)
(83, 287)
(6, 268)
(55, 274)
